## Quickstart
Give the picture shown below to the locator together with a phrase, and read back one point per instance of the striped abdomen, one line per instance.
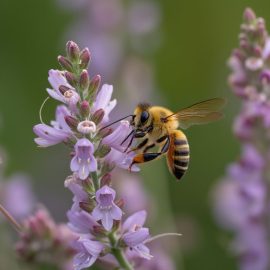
(178, 154)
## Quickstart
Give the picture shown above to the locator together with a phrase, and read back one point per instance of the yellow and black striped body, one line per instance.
(178, 154)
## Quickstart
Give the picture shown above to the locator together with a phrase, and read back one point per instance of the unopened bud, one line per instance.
(85, 58)
(88, 186)
(99, 231)
(102, 150)
(98, 116)
(93, 86)
(249, 15)
(107, 167)
(85, 108)
(87, 206)
(65, 63)
(105, 132)
(73, 51)
(71, 121)
(106, 180)
(84, 80)
(120, 203)
(71, 78)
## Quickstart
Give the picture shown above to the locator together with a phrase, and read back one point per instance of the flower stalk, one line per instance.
(96, 215)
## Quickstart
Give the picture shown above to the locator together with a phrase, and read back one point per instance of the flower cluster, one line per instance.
(242, 197)
(96, 215)
(43, 241)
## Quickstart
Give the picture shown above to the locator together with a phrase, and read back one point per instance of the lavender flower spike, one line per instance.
(88, 252)
(84, 161)
(106, 210)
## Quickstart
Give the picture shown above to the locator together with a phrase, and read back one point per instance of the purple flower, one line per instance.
(17, 196)
(252, 248)
(134, 235)
(88, 252)
(84, 161)
(60, 114)
(106, 210)
(81, 221)
(69, 97)
(121, 160)
(48, 136)
(103, 101)
(118, 136)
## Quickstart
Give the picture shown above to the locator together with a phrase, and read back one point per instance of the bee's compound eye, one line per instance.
(144, 116)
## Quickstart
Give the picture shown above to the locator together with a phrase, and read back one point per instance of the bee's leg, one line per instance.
(148, 147)
(145, 157)
(139, 146)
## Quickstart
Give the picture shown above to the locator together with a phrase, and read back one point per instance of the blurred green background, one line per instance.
(190, 66)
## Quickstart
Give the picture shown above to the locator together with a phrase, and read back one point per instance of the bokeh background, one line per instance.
(189, 64)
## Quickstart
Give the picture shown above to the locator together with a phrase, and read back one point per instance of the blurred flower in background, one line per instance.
(16, 193)
(242, 197)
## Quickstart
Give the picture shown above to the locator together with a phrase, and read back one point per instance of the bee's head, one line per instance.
(142, 117)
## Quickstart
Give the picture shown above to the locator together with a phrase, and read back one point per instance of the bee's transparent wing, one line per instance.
(200, 113)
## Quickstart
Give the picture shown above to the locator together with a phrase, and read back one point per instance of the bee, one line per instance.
(157, 126)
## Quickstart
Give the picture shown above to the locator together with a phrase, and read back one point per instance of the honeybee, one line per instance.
(158, 126)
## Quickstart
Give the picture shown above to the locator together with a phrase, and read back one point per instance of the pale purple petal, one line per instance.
(48, 135)
(116, 212)
(107, 220)
(97, 214)
(81, 221)
(103, 101)
(134, 238)
(60, 114)
(55, 95)
(137, 218)
(118, 136)
(56, 79)
(121, 160)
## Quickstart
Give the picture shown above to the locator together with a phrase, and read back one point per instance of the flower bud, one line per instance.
(105, 132)
(99, 231)
(85, 108)
(88, 186)
(87, 206)
(120, 203)
(249, 15)
(84, 80)
(102, 150)
(71, 121)
(73, 51)
(71, 78)
(106, 180)
(65, 63)
(85, 58)
(98, 116)
(93, 86)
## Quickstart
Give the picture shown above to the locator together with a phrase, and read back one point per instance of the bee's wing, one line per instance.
(200, 113)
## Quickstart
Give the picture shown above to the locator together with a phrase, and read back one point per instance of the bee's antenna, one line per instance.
(41, 108)
(117, 121)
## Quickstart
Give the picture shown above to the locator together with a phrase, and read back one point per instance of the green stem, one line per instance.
(118, 254)
(95, 180)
